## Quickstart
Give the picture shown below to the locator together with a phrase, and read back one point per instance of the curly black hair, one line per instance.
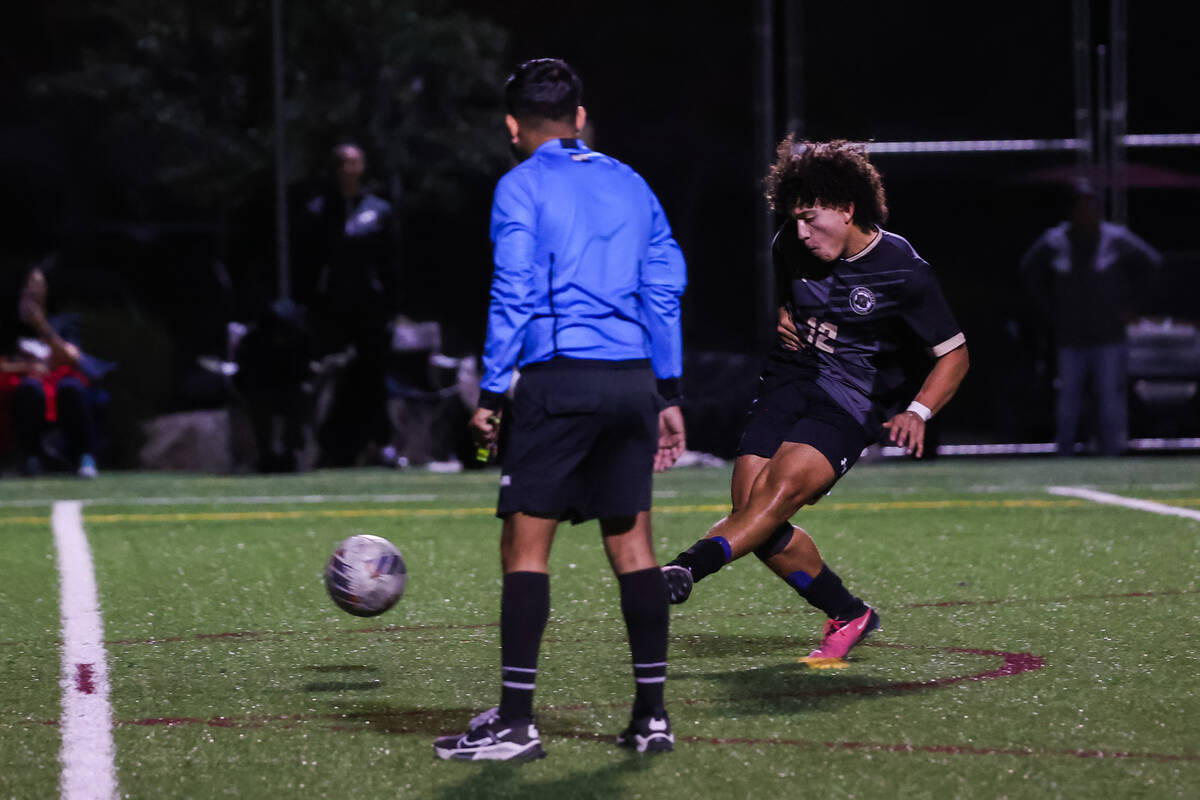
(834, 174)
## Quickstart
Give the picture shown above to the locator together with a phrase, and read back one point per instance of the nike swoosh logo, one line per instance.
(472, 743)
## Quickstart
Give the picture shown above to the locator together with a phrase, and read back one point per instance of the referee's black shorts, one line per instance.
(582, 440)
(791, 408)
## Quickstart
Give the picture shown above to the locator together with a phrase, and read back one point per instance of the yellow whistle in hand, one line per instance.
(484, 452)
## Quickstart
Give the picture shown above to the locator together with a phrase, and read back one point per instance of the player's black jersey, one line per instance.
(859, 317)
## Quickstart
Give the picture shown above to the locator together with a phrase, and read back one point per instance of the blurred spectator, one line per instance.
(347, 279)
(274, 364)
(41, 380)
(1080, 274)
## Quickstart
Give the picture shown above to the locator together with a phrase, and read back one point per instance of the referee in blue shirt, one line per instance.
(585, 304)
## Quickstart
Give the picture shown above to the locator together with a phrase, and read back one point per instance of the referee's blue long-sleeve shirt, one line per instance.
(585, 267)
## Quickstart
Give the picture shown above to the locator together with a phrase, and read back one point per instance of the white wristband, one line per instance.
(920, 410)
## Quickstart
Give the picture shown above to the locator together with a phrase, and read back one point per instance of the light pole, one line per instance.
(282, 261)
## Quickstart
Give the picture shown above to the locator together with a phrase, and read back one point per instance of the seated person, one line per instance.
(40, 377)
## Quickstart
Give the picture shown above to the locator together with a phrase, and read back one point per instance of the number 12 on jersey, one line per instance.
(820, 335)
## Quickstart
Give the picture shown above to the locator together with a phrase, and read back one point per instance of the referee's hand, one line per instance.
(671, 438)
(485, 427)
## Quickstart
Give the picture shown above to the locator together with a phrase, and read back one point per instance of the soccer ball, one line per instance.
(365, 575)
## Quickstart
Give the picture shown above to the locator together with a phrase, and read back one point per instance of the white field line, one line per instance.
(88, 766)
(1126, 502)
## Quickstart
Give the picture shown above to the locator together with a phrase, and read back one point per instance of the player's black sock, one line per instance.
(524, 609)
(827, 593)
(644, 604)
(705, 557)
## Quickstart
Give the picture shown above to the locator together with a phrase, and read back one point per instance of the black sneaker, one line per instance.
(650, 734)
(679, 583)
(492, 739)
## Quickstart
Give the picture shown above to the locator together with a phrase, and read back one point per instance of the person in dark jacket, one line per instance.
(348, 282)
(1080, 275)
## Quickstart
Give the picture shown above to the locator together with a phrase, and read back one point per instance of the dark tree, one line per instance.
(183, 92)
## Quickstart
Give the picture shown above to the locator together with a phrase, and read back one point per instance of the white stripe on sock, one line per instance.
(514, 685)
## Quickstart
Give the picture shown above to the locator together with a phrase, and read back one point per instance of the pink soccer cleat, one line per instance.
(840, 635)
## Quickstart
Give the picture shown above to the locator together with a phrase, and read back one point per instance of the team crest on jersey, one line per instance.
(862, 300)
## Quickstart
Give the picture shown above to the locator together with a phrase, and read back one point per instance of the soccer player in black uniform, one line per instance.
(855, 301)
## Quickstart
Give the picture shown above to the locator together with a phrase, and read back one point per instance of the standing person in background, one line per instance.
(585, 301)
(349, 283)
(274, 360)
(40, 371)
(855, 299)
(1080, 274)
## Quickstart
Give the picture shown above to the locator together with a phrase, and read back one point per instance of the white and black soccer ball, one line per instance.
(365, 575)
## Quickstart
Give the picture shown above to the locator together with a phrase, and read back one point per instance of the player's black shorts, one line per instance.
(582, 442)
(791, 408)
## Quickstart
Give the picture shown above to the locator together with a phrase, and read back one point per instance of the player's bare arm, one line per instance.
(907, 429)
(789, 339)
(32, 311)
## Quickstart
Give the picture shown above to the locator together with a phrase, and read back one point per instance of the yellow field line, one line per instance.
(715, 508)
(339, 513)
(218, 516)
(24, 520)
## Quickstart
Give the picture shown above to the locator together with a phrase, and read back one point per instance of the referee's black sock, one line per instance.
(705, 557)
(644, 605)
(827, 593)
(524, 610)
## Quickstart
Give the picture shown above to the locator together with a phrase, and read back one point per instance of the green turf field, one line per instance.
(1033, 645)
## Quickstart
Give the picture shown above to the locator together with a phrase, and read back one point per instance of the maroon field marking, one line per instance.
(1013, 664)
(263, 634)
(431, 721)
(947, 749)
(480, 625)
(289, 721)
(956, 750)
(84, 679)
(1123, 596)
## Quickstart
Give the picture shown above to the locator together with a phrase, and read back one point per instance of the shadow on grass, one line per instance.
(793, 688)
(343, 686)
(395, 720)
(693, 646)
(500, 779)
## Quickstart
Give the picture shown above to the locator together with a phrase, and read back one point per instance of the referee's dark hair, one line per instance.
(543, 88)
(834, 174)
